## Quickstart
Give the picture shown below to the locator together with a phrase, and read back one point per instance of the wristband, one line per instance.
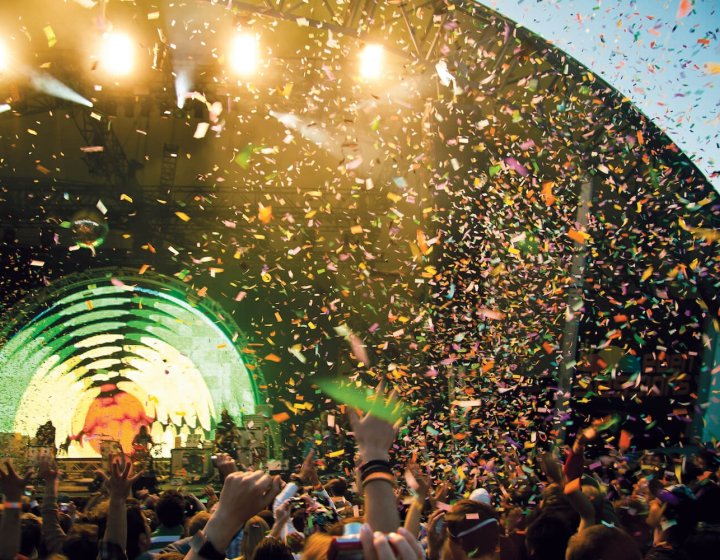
(385, 477)
(375, 469)
(12, 505)
(374, 463)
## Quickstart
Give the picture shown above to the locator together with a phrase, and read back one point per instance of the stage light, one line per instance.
(117, 54)
(371, 61)
(244, 54)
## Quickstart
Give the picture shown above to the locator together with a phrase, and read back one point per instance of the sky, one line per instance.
(664, 58)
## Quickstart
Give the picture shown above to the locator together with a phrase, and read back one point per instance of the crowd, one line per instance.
(614, 506)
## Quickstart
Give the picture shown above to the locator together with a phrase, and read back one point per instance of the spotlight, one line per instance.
(244, 54)
(117, 54)
(371, 61)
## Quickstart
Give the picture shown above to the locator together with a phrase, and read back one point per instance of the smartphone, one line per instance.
(346, 548)
(63, 507)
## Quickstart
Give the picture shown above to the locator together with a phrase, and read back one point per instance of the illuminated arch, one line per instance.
(103, 352)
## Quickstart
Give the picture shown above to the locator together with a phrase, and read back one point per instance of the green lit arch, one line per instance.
(109, 335)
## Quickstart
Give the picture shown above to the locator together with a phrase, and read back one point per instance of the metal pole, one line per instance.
(573, 312)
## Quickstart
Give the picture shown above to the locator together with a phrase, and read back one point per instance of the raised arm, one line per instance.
(422, 489)
(53, 535)
(243, 495)
(374, 436)
(118, 485)
(11, 487)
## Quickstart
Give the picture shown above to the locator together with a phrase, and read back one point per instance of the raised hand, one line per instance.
(47, 468)
(121, 479)
(224, 464)
(373, 435)
(11, 485)
(394, 546)
(243, 495)
(308, 472)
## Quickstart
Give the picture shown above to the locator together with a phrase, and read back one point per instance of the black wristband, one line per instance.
(375, 463)
(209, 552)
(375, 469)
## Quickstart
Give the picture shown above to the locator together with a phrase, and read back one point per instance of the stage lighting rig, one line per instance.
(117, 53)
(371, 61)
(244, 55)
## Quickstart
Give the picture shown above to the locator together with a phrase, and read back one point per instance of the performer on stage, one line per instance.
(227, 436)
(143, 438)
(45, 435)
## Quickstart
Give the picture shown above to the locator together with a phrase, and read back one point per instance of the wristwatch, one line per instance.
(205, 548)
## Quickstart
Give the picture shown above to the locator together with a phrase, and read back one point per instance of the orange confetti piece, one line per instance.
(265, 214)
(281, 417)
(273, 358)
(712, 67)
(640, 138)
(684, 8)
(549, 348)
(89, 305)
(547, 193)
(578, 236)
(143, 269)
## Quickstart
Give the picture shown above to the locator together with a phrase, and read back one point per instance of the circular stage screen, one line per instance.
(103, 353)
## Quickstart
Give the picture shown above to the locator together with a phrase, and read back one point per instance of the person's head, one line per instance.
(272, 549)
(81, 544)
(601, 542)
(473, 531)
(317, 546)
(708, 498)
(254, 531)
(674, 513)
(170, 509)
(30, 534)
(138, 531)
(547, 537)
(196, 522)
(336, 487)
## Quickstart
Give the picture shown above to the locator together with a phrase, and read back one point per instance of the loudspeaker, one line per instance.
(197, 463)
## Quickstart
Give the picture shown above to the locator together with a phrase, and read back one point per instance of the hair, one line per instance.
(683, 513)
(30, 534)
(272, 549)
(708, 497)
(601, 542)
(136, 526)
(196, 522)
(336, 487)
(267, 516)
(547, 537)
(253, 533)
(81, 544)
(466, 515)
(170, 508)
(317, 546)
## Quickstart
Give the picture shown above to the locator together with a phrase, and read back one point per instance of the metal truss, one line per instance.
(422, 20)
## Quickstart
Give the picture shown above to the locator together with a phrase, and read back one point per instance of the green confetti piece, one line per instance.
(390, 411)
